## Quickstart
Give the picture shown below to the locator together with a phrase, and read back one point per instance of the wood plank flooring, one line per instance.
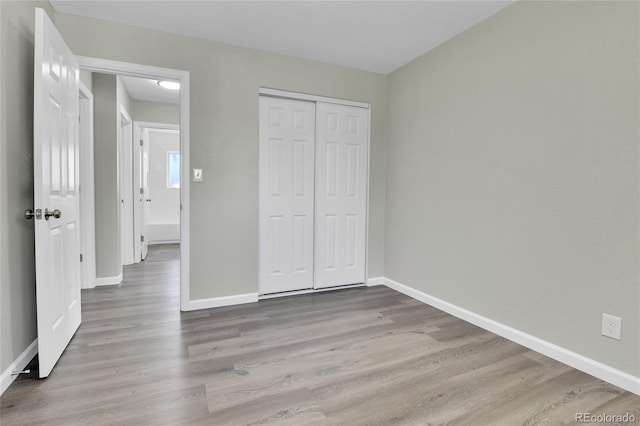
(363, 356)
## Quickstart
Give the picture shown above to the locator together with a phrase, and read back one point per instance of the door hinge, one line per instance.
(80, 257)
(142, 238)
(141, 142)
(142, 190)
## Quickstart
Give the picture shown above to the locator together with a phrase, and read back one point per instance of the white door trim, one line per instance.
(126, 188)
(145, 71)
(87, 189)
(277, 93)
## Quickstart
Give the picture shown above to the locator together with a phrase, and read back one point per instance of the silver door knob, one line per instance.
(56, 214)
(28, 214)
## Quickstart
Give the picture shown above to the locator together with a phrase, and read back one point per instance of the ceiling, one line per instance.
(376, 36)
(144, 89)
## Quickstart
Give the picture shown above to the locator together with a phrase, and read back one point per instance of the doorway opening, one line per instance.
(157, 177)
(131, 158)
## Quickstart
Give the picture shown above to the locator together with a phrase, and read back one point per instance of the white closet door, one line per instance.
(287, 135)
(342, 144)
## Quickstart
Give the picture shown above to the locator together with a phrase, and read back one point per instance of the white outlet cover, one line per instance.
(197, 175)
(611, 326)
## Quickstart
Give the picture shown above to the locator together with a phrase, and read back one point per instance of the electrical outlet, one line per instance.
(611, 326)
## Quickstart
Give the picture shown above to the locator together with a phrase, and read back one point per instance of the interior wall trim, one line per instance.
(308, 291)
(18, 365)
(375, 281)
(109, 280)
(580, 362)
(277, 93)
(217, 302)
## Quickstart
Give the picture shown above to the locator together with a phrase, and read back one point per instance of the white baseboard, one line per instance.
(602, 371)
(375, 281)
(217, 302)
(109, 280)
(18, 365)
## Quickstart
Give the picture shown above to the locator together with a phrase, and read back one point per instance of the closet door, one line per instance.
(287, 135)
(342, 144)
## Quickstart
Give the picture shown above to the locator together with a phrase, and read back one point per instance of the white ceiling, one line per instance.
(377, 36)
(143, 89)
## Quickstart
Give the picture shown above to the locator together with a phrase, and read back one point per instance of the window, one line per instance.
(173, 169)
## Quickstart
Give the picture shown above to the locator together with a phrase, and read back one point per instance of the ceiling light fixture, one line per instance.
(171, 85)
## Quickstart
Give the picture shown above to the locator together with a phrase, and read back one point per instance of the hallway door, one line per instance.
(55, 160)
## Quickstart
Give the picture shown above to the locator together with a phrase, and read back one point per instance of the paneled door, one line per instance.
(145, 200)
(341, 194)
(141, 185)
(55, 158)
(287, 134)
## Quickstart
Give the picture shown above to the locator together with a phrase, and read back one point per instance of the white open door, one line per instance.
(55, 156)
(140, 191)
(145, 197)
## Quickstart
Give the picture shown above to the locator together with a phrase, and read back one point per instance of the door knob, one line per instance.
(56, 214)
(28, 214)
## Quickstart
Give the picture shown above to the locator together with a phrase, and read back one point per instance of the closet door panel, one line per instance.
(287, 151)
(341, 194)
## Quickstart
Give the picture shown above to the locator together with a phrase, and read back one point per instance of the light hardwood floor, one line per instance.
(364, 356)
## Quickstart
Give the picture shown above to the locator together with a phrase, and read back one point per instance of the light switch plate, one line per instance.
(197, 175)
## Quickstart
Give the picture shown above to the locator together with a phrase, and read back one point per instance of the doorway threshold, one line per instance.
(308, 291)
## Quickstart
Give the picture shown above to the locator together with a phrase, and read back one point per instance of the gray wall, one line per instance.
(224, 137)
(124, 101)
(155, 112)
(17, 269)
(107, 206)
(86, 77)
(110, 96)
(512, 174)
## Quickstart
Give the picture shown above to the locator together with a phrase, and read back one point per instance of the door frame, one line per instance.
(107, 66)
(126, 188)
(138, 212)
(87, 189)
